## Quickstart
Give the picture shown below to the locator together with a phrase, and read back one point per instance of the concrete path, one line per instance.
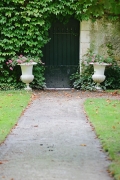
(53, 141)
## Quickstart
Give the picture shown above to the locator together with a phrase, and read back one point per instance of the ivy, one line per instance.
(24, 24)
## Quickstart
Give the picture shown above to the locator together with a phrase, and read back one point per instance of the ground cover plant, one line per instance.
(104, 116)
(84, 81)
(25, 25)
(12, 104)
(117, 91)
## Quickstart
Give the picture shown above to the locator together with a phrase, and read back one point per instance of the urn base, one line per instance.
(98, 79)
(27, 79)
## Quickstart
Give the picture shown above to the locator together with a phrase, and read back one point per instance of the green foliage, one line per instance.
(85, 81)
(10, 80)
(22, 29)
(39, 79)
(24, 24)
(107, 127)
(91, 57)
(112, 77)
(12, 105)
(16, 60)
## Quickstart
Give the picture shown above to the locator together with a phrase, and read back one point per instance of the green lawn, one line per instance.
(12, 104)
(117, 91)
(104, 114)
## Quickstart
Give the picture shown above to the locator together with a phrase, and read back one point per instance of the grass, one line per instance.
(12, 104)
(117, 91)
(104, 114)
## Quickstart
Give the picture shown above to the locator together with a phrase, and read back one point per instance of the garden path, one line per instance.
(54, 140)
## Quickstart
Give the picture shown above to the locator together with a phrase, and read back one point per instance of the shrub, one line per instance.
(85, 82)
(39, 79)
(112, 77)
(11, 79)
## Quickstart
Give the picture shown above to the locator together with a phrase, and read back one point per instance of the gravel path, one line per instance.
(53, 140)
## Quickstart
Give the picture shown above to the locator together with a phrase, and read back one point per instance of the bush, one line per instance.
(11, 79)
(112, 77)
(39, 79)
(85, 82)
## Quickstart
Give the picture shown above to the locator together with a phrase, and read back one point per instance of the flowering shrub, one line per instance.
(91, 57)
(84, 80)
(11, 63)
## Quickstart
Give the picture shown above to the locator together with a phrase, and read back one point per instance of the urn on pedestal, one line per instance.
(99, 63)
(26, 63)
(27, 75)
(98, 76)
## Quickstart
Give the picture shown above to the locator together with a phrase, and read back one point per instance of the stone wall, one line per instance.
(84, 39)
(102, 36)
(105, 36)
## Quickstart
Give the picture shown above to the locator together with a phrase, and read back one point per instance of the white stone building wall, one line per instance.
(97, 35)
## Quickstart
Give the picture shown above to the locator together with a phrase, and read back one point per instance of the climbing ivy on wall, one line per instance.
(24, 24)
(23, 27)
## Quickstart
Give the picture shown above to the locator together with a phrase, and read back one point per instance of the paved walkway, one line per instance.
(53, 141)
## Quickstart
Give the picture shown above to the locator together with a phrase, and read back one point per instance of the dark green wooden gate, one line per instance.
(61, 54)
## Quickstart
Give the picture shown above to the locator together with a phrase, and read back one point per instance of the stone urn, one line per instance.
(27, 74)
(98, 76)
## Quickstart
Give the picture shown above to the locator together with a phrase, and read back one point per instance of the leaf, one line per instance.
(113, 127)
(83, 145)
(36, 126)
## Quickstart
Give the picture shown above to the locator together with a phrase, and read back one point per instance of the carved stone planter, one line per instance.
(98, 76)
(27, 74)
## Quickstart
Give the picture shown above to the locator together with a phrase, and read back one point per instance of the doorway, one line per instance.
(61, 54)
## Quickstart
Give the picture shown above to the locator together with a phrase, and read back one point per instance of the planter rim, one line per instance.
(104, 64)
(28, 63)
